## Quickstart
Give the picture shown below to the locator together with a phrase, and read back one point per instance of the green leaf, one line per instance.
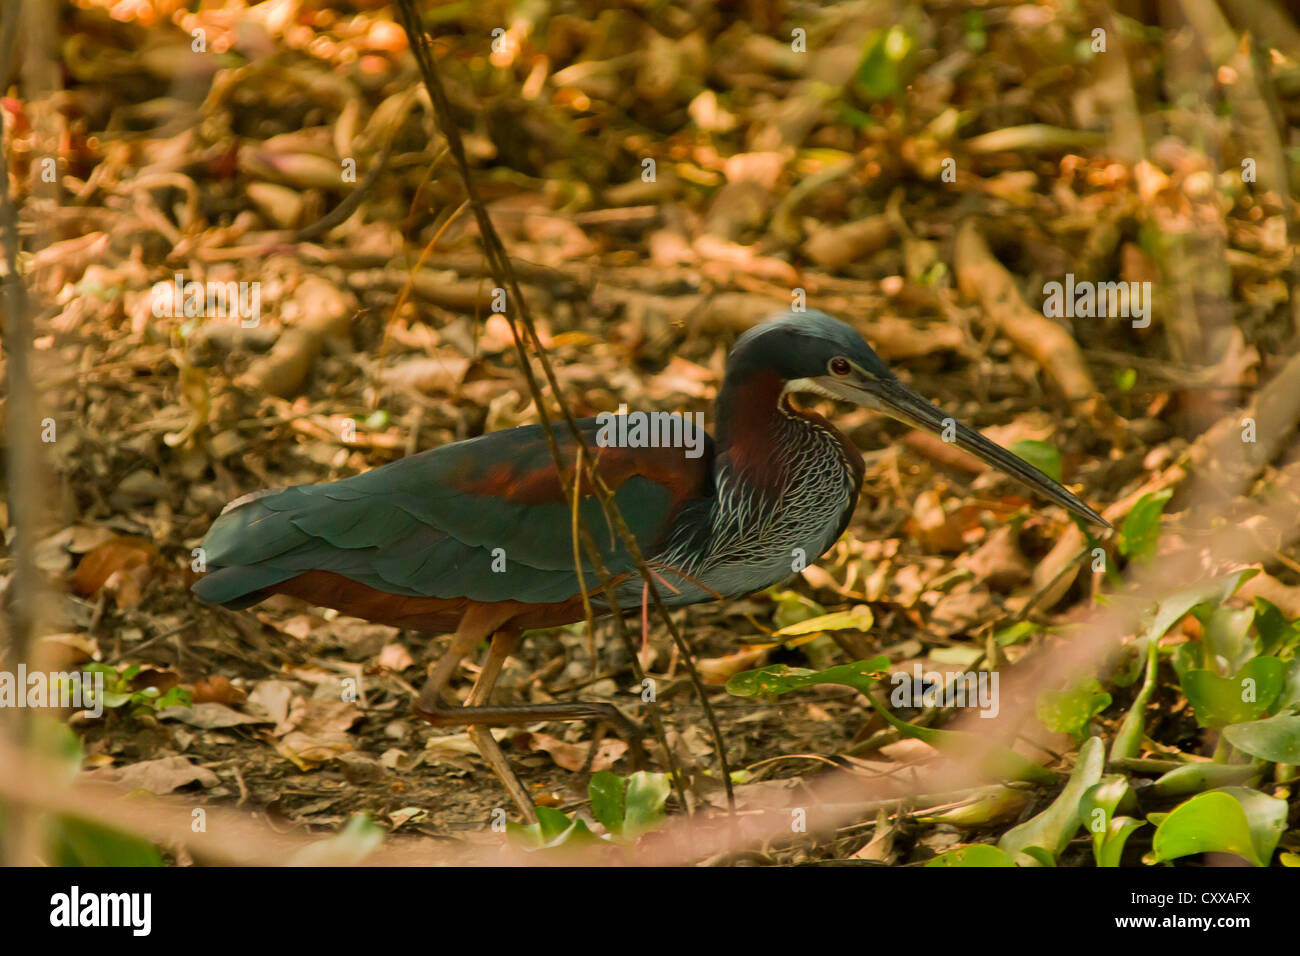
(1202, 775)
(1125, 379)
(1041, 455)
(78, 842)
(792, 607)
(1053, 828)
(770, 682)
(1275, 631)
(606, 791)
(1140, 531)
(1290, 696)
(1226, 635)
(1040, 856)
(1117, 833)
(880, 74)
(1187, 657)
(1219, 701)
(558, 830)
(856, 619)
(358, 838)
(998, 760)
(1276, 739)
(977, 854)
(176, 697)
(1015, 633)
(1128, 738)
(1097, 809)
(1069, 711)
(1208, 822)
(1232, 820)
(551, 822)
(646, 795)
(1175, 606)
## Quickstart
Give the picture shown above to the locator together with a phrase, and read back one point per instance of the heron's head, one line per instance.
(815, 353)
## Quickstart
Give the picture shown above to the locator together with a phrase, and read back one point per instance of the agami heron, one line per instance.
(475, 537)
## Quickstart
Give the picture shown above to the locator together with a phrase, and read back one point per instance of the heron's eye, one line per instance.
(840, 366)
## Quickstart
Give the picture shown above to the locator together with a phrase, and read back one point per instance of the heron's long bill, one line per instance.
(898, 401)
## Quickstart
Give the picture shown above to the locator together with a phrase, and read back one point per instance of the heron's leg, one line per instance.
(430, 707)
(473, 627)
(476, 625)
(503, 645)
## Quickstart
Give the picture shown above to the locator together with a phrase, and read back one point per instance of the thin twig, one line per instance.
(340, 213)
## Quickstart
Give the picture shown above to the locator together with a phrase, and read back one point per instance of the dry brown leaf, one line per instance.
(716, 670)
(126, 561)
(432, 376)
(210, 716)
(321, 716)
(395, 657)
(157, 776)
(833, 247)
(308, 751)
(572, 756)
(999, 562)
(216, 689)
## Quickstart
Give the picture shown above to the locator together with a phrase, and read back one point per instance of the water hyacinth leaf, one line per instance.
(78, 842)
(1187, 657)
(1173, 608)
(646, 795)
(977, 854)
(1117, 833)
(1097, 809)
(1069, 711)
(858, 618)
(1232, 820)
(1053, 828)
(999, 761)
(1289, 699)
(606, 791)
(1140, 532)
(552, 829)
(997, 803)
(1040, 856)
(1196, 777)
(1276, 633)
(356, 841)
(1219, 701)
(1276, 739)
(1129, 736)
(1100, 801)
(551, 823)
(1226, 635)
(1041, 455)
(1209, 822)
